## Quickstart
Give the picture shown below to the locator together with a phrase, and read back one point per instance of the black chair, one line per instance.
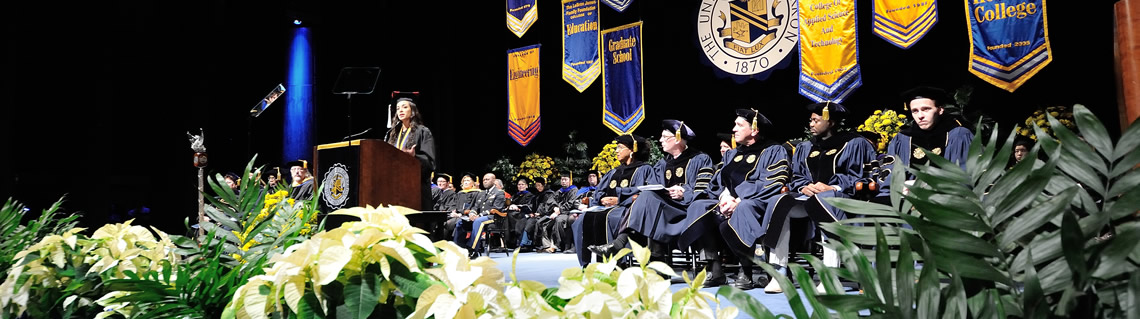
(498, 232)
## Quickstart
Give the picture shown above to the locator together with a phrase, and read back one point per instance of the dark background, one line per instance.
(99, 95)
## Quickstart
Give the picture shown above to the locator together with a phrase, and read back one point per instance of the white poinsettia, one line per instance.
(109, 253)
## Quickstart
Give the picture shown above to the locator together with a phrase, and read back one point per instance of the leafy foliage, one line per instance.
(62, 275)
(1042, 239)
(503, 167)
(576, 159)
(253, 223)
(16, 236)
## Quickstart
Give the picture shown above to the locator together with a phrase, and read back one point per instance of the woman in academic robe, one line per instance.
(654, 213)
(409, 134)
(932, 131)
(728, 216)
(616, 192)
(825, 166)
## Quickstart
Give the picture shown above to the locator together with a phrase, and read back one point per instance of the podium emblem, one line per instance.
(335, 184)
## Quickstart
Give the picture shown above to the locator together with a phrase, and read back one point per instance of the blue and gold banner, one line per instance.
(523, 117)
(619, 5)
(903, 22)
(580, 62)
(829, 50)
(521, 14)
(623, 106)
(1009, 40)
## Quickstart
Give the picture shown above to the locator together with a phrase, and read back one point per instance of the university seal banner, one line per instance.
(622, 105)
(580, 62)
(523, 118)
(829, 50)
(521, 14)
(1009, 40)
(903, 22)
(748, 38)
(619, 5)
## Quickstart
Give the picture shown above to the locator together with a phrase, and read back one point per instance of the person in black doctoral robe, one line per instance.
(554, 228)
(463, 204)
(521, 205)
(932, 131)
(303, 184)
(442, 195)
(825, 166)
(542, 196)
(728, 216)
(655, 213)
(599, 228)
(409, 134)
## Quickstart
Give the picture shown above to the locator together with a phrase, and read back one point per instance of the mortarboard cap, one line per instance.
(679, 129)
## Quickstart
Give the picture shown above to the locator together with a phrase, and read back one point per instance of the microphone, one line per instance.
(357, 134)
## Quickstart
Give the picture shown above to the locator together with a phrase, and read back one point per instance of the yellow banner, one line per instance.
(523, 117)
(903, 22)
(829, 50)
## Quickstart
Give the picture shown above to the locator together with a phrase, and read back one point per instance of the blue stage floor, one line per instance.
(546, 268)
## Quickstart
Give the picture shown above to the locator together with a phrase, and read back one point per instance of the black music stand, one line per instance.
(356, 80)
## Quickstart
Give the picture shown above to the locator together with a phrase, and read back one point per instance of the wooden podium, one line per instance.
(366, 172)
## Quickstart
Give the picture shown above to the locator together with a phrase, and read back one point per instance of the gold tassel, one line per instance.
(634, 144)
(754, 116)
(825, 113)
(681, 129)
(733, 141)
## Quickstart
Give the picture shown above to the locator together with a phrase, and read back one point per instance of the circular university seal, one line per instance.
(335, 185)
(746, 38)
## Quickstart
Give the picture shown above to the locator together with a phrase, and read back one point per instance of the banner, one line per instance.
(580, 62)
(747, 38)
(523, 118)
(1009, 40)
(521, 14)
(903, 22)
(622, 105)
(829, 50)
(619, 5)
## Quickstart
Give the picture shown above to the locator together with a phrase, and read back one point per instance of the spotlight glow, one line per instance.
(296, 22)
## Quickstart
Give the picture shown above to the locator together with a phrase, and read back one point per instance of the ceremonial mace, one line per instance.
(197, 143)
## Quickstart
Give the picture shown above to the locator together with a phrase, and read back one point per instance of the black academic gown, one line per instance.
(444, 199)
(754, 174)
(947, 138)
(836, 161)
(304, 191)
(600, 227)
(654, 213)
(464, 200)
(420, 137)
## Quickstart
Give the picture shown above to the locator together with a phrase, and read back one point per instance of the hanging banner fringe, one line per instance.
(521, 14)
(829, 50)
(619, 5)
(903, 22)
(580, 62)
(623, 107)
(1009, 40)
(523, 116)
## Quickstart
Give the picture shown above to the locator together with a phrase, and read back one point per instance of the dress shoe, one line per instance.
(743, 282)
(714, 281)
(602, 250)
